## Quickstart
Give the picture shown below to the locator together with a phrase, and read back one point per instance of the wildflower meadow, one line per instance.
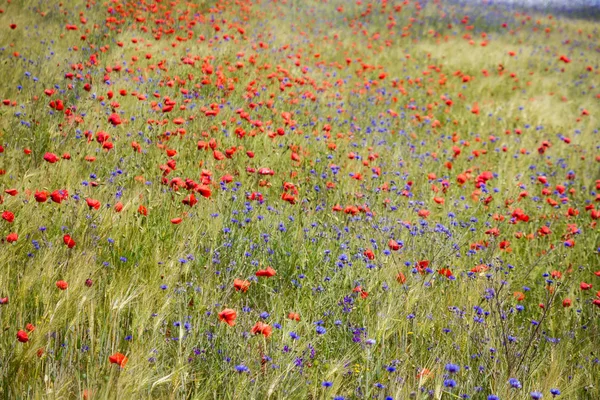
(299, 199)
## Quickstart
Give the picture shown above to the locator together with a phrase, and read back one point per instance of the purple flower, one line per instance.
(241, 368)
(452, 368)
(450, 383)
(514, 382)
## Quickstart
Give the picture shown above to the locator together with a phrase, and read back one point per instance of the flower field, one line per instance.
(319, 199)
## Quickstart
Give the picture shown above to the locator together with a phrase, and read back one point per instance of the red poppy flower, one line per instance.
(269, 272)
(69, 241)
(22, 336)
(294, 316)
(480, 268)
(424, 373)
(585, 286)
(227, 178)
(62, 285)
(204, 190)
(520, 296)
(41, 197)
(556, 274)
(142, 210)
(261, 328)
(228, 316)
(190, 200)
(114, 119)
(12, 237)
(401, 278)
(241, 285)
(423, 213)
(446, 272)
(93, 203)
(118, 207)
(217, 155)
(176, 221)
(566, 303)
(8, 216)
(118, 359)
(12, 192)
(59, 195)
(393, 245)
(51, 158)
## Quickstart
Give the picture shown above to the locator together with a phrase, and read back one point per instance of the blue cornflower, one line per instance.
(536, 395)
(514, 382)
(241, 368)
(452, 368)
(450, 383)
